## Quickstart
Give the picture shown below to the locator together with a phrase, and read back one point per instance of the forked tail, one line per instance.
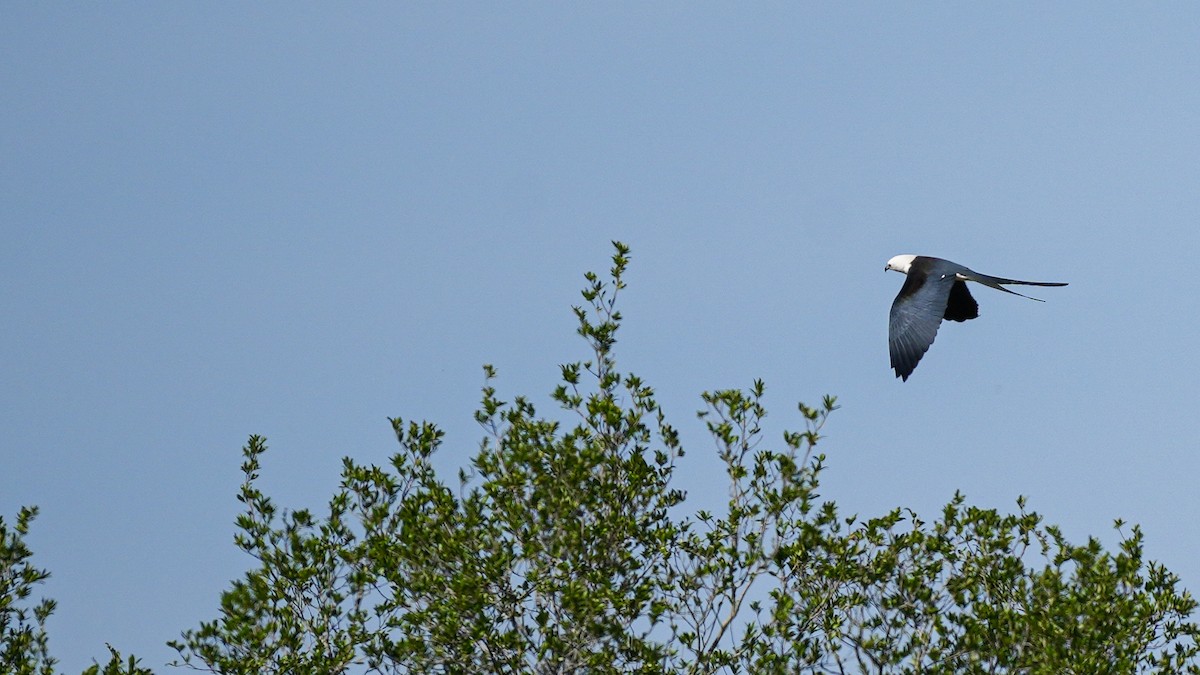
(994, 282)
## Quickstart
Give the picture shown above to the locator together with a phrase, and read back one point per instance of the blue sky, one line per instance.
(298, 220)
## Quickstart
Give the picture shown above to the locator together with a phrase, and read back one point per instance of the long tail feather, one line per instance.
(994, 282)
(1028, 283)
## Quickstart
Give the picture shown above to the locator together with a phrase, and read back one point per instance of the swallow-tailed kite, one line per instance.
(935, 289)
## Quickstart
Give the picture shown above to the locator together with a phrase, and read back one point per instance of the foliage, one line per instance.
(564, 548)
(23, 646)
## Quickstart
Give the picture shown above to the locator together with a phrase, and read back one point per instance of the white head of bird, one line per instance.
(900, 263)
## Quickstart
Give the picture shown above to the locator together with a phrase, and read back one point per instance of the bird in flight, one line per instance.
(935, 289)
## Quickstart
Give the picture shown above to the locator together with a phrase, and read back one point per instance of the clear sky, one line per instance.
(297, 220)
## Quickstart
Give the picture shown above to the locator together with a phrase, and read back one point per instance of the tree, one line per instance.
(563, 548)
(566, 550)
(23, 642)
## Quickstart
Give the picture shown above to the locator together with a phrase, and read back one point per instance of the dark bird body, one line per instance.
(934, 289)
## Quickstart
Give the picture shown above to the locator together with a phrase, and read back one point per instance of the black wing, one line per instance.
(916, 315)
